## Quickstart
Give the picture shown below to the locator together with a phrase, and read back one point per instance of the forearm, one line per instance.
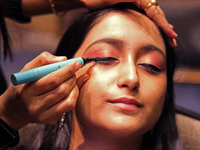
(39, 7)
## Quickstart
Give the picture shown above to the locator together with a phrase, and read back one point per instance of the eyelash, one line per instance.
(151, 68)
(107, 60)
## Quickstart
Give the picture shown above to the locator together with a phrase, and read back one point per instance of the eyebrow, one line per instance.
(153, 48)
(110, 41)
(119, 43)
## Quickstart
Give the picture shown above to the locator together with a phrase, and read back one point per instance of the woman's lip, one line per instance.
(124, 103)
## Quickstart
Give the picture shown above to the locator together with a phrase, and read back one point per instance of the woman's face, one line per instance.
(122, 97)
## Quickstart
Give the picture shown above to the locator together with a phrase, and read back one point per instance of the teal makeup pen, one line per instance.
(39, 72)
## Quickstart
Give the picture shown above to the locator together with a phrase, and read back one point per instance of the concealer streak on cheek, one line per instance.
(85, 70)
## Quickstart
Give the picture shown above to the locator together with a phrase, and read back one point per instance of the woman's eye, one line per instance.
(151, 68)
(106, 60)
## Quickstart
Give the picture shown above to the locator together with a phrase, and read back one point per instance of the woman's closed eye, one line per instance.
(106, 60)
(150, 68)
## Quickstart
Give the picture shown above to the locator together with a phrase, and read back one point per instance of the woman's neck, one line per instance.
(87, 139)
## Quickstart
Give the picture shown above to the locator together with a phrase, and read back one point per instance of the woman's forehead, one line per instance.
(118, 22)
(132, 20)
(138, 19)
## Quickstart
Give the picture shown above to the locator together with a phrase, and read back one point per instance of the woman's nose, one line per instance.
(128, 77)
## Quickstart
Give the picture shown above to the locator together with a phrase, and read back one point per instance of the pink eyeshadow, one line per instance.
(157, 62)
(95, 54)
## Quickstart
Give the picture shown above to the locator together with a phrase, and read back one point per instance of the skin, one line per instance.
(99, 121)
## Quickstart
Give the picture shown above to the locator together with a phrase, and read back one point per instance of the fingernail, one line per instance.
(78, 65)
(60, 58)
(86, 77)
(174, 33)
(174, 41)
(171, 26)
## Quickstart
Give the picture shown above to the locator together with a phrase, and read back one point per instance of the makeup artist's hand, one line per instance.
(42, 101)
(154, 12)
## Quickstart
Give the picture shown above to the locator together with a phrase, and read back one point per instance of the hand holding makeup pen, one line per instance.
(39, 72)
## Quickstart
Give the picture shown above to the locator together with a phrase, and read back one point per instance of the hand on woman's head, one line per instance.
(154, 12)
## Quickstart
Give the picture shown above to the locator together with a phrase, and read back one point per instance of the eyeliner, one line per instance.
(39, 72)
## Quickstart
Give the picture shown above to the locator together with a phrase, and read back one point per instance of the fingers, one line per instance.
(51, 88)
(55, 93)
(157, 15)
(56, 103)
(55, 79)
(65, 105)
(82, 78)
(58, 94)
(45, 100)
(172, 42)
(52, 114)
